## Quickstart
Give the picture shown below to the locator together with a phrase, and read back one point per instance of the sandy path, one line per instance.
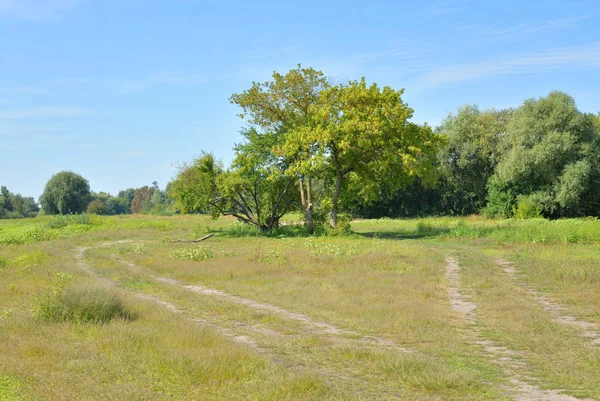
(590, 331)
(80, 257)
(520, 388)
(316, 327)
(246, 334)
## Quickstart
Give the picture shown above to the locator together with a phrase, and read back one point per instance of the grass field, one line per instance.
(110, 308)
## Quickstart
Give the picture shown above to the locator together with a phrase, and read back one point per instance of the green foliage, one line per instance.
(527, 208)
(198, 254)
(68, 220)
(241, 230)
(469, 156)
(15, 206)
(97, 207)
(360, 140)
(65, 193)
(195, 185)
(9, 389)
(552, 154)
(83, 304)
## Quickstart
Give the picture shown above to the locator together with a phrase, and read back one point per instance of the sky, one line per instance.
(124, 91)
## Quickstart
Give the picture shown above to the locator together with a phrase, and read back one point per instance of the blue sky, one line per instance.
(121, 91)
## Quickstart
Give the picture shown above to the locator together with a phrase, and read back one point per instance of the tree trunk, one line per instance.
(333, 216)
(307, 204)
(310, 227)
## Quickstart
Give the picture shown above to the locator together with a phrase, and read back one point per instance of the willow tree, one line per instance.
(362, 135)
(552, 160)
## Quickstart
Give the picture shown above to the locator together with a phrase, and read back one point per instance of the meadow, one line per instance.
(469, 308)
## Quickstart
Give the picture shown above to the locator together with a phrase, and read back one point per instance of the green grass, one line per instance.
(83, 304)
(65, 334)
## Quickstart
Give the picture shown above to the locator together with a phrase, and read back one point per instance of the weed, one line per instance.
(199, 254)
(139, 250)
(8, 389)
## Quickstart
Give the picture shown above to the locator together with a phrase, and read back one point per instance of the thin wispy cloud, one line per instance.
(35, 9)
(42, 112)
(486, 33)
(577, 57)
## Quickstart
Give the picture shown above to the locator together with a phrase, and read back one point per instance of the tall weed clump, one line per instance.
(80, 304)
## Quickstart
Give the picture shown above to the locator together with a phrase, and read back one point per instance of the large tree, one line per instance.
(552, 159)
(360, 137)
(65, 193)
(277, 107)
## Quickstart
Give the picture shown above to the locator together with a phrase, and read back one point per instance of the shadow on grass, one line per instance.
(403, 234)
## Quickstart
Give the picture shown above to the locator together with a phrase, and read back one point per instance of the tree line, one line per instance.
(69, 193)
(336, 150)
(322, 148)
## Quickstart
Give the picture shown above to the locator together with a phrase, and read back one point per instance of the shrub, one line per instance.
(80, 305)
(61, 221)
(198, 254)
(97, 207)
(241, 230)
(526, 208)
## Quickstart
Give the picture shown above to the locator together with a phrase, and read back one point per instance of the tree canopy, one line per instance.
(65, 193)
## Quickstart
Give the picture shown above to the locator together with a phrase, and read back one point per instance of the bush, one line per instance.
(241, 230)
(198, 254)
(526, 208)
(61, 221)
(80, 305)
(97, 207)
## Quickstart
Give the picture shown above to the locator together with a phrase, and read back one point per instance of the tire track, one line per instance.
(590, 331)
(520, 388)
(316, 327)
(80, 258)
(259, 338)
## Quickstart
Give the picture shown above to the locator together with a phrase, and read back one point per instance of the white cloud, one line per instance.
(35, 9)
(576, 57)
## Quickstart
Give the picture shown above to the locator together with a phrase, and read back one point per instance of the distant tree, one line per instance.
(97, 207)
(30, 207)
(195, 185)
(125, 197)
(470, 156)
(552, 156)
(5, 199)
(141, 199)
(65, 193)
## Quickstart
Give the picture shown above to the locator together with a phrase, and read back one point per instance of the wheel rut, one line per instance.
(314, 327)
(521, 388)
(590, 331)
(259, 338)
